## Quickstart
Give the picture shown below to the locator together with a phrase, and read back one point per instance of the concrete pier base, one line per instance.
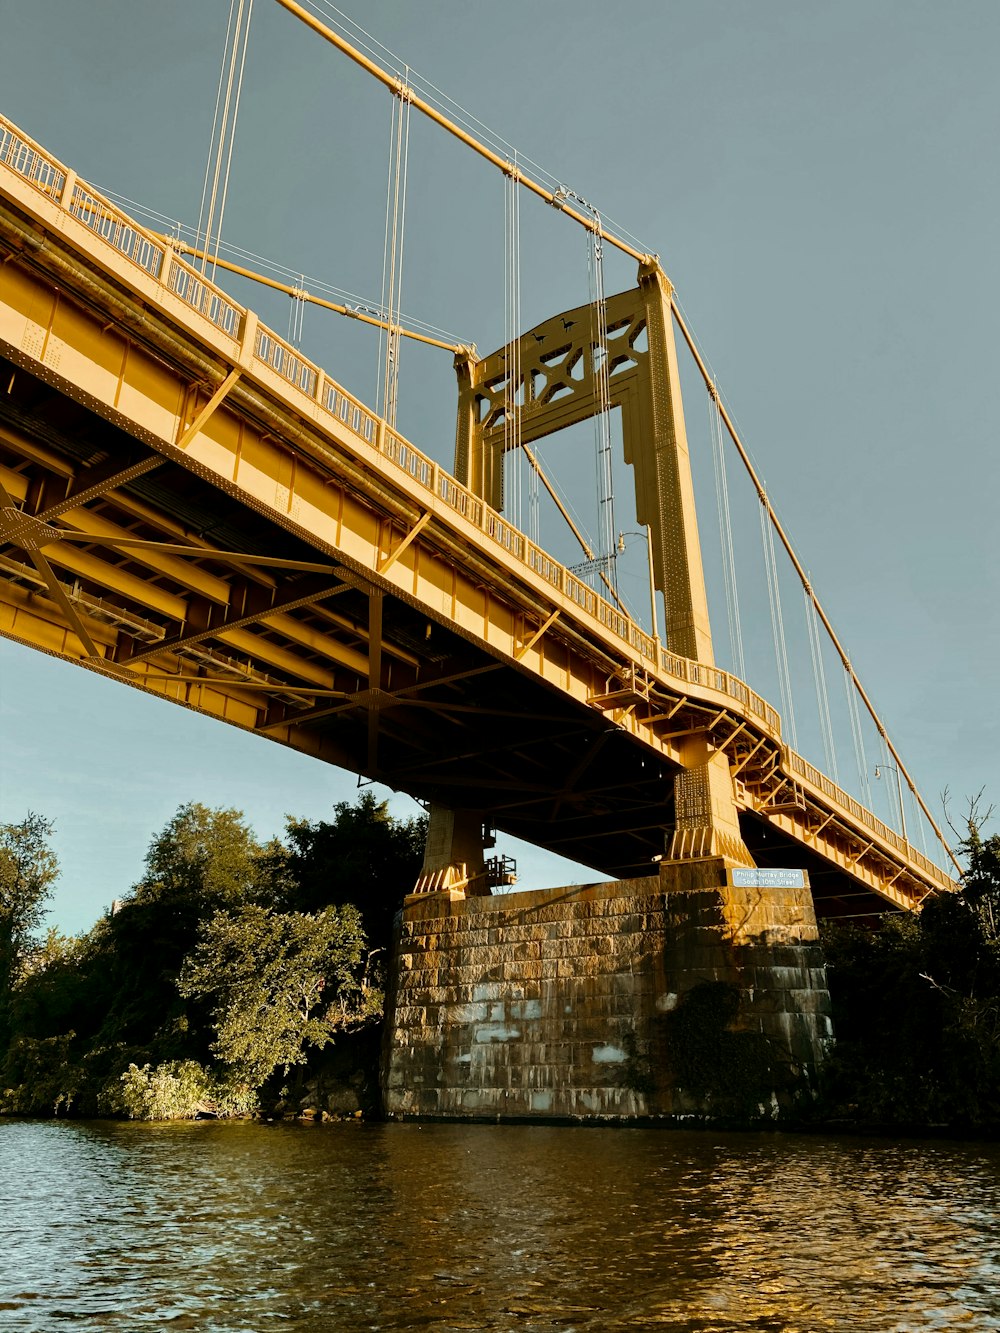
(700, 992)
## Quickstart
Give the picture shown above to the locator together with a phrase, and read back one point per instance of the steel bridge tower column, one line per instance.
(560, 389)
(454, 859)
(706, 822)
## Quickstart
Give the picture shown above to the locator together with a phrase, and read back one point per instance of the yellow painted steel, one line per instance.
(300, 295)
(396, 86)
(91, 308)
(559, 389)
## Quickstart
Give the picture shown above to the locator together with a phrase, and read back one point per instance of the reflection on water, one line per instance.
(253, 1227)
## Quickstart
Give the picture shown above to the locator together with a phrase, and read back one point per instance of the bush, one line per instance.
(177, 1090)
(39, 1078)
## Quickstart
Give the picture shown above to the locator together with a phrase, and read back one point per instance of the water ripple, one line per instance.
(445, 1228)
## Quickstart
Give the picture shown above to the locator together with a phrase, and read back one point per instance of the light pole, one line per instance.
(899, 789)
(649, 560)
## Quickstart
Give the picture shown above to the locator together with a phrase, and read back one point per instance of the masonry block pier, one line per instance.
(700, 992)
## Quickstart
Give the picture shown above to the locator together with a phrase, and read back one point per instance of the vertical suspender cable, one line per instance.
(513, 392)
(232, 132)
(394, 174)
(777, 622)
(819, 681)
(923, 833)
(533, 477)
(599, 368)
(857, 734)
(726, 534)
(383, 337)
(201, 239)
(224, 129)
(396, 212)
(394, 332)
(297, 312)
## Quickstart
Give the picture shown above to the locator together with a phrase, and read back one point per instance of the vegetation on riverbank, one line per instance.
(916, 1007)
(217, 983)
(239, 977)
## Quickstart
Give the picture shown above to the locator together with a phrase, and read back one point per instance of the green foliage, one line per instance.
(202, 861)
(28, 869)
(917, 1005)
(276, 983)
(363, 856)
(39, 1077)
(270, 952)
(46, 998)
(177, 1090)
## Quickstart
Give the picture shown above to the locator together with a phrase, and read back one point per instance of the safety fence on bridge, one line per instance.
(156, 258)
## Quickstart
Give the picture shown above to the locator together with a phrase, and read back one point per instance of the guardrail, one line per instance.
(794, 763)
(158, 260)
(25, 157)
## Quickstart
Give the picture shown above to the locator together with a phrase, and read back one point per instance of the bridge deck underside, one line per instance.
(287, 652)
(179, 513)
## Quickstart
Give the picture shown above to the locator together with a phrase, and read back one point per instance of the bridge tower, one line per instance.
(571, 1001)
(558, 386)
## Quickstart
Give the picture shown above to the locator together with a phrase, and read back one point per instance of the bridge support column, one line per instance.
(453, 853)
(746, 1011)
(700, 992)
(706, 823)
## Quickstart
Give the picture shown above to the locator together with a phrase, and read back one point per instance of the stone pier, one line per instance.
(700, 992)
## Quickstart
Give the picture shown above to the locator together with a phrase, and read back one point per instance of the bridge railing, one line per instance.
(115, 227)
(794, 763)
(158, 260)
(29, 160)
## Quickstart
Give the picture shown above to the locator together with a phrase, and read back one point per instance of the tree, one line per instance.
(362, 856)
(917, 1003)
(28, 869)
(981, 882)
(276, 983)
(202, 861)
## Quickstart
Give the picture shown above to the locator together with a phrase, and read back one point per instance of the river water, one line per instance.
(256, 1227)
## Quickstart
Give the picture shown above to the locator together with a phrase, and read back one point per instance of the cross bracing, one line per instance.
(194, 508)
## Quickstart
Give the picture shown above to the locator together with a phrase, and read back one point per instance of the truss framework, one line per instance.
(179, 514)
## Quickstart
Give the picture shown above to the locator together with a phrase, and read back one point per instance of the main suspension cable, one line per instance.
(365, 314)
(558, 197)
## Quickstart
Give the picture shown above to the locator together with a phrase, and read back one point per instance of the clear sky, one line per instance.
(820, 182)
